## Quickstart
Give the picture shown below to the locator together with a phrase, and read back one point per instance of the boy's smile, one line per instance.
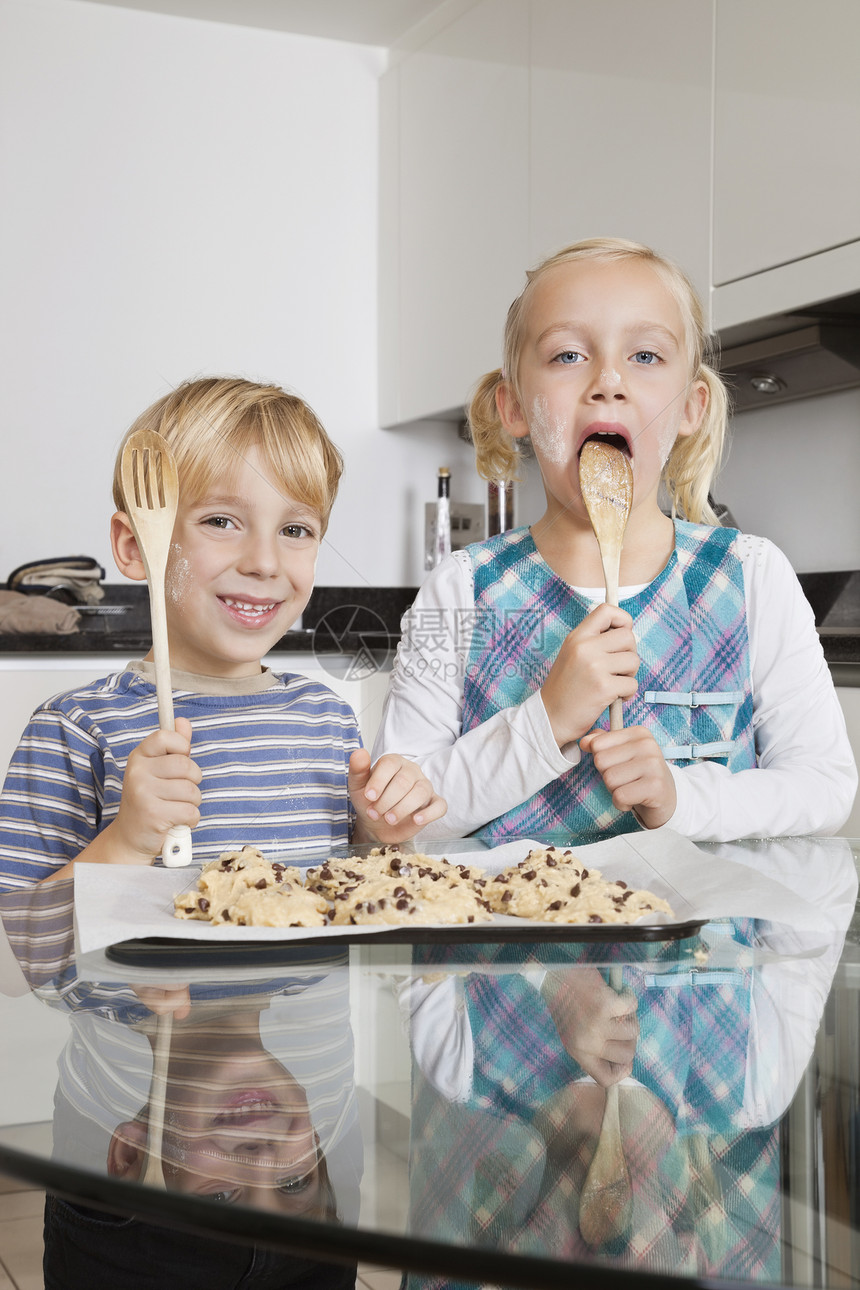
(241, 572)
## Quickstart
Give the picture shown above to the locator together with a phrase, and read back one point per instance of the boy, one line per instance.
(277, 758)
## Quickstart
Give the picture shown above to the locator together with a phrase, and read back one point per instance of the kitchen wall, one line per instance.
(186, 198)
(791, 475)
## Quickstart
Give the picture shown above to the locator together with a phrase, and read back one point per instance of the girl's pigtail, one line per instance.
(496, 455)
(696, 459)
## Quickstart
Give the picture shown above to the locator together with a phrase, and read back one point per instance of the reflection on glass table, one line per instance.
(438, 1106)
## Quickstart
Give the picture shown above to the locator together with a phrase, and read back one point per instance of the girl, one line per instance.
(510, 659)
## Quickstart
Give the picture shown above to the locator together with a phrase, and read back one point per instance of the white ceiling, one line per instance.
(368, 22)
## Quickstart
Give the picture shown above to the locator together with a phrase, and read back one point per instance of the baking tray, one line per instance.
(127, 914)
(167, 951)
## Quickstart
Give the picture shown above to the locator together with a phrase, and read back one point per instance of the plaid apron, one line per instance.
(695, 690)
(505, 1169)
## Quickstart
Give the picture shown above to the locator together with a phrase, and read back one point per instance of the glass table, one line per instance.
(441, 1105)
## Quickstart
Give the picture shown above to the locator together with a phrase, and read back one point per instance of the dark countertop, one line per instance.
(337, 620)
(348, 620)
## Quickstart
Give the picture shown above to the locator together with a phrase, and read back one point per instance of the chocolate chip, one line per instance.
(402, 903)
(507, 895)
(203, 905)
(551, 862)
(575, 889)
(595, 918)
(225, 914)
(261, 885)
(528, 877)
(584, 873)
(619, 883)
(556, 904)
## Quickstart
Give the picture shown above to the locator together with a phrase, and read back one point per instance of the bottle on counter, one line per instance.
(442, 541)
(500, 506)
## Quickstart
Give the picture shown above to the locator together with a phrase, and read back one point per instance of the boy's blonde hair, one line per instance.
(694, 460)
(212, 423)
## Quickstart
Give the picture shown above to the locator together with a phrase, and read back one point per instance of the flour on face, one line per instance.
(178, 576)
(547, 436)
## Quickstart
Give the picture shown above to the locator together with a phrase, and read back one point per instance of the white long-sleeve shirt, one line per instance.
(805, 780)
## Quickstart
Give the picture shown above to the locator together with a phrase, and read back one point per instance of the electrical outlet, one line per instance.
(468, 524)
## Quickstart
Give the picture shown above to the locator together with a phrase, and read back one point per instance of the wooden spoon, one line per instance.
(606, 1200)
(151, 490)
(153, 1174)
(606, 484)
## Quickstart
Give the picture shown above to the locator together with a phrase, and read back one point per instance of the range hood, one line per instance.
(815, 359)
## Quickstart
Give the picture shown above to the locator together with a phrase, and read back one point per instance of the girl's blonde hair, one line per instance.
(212, 423)
(694, 460)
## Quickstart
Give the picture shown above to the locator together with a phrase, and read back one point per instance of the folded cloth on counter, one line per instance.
(20, 615)
(80, 573)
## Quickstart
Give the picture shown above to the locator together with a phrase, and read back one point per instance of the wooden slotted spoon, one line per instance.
(606, 484)
(151, 490)
(606, 1200)
(153, 1174)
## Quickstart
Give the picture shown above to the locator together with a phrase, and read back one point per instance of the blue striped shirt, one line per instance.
(274, 766)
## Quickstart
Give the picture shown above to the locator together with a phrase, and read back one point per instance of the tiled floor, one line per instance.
(20, 1236)
(21, 1243)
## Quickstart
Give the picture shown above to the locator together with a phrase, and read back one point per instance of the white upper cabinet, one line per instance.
(453, 257)
(620, 126)
(786, 152)
(724, 133)
(520, 127)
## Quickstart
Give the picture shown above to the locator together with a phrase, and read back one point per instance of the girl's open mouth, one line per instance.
(610, 433)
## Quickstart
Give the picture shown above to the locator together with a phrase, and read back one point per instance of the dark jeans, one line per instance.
(90, 1249)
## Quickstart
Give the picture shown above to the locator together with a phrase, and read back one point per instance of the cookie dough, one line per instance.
(552, 885)
(224, 881)
(392, 887)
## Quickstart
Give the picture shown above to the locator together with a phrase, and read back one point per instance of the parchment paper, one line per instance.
(116, 903)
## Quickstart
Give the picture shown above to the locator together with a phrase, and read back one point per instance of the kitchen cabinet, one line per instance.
(500, 143)
(786, 172)
(721, 132)
(849, 698)
(454, 224)
(620, 114)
